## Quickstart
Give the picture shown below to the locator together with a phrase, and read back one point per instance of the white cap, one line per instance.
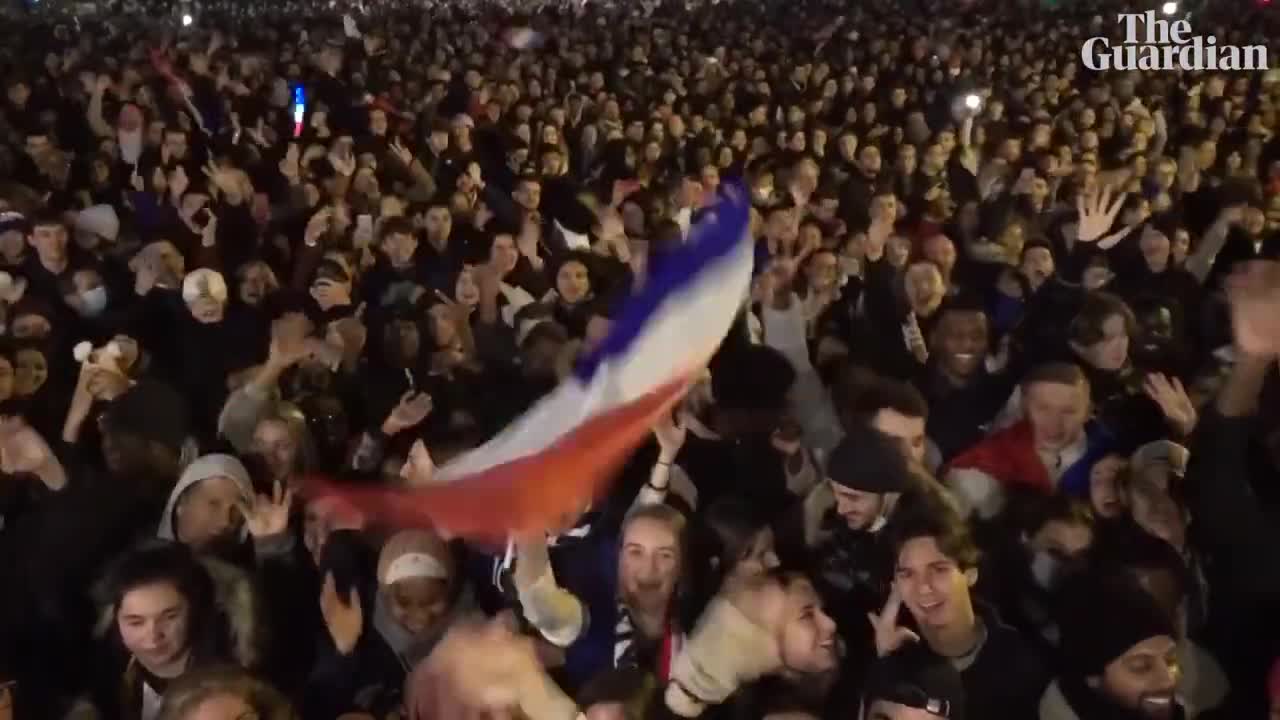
(204, 283)
(100, 220)
(415, 565)
(1162, 452)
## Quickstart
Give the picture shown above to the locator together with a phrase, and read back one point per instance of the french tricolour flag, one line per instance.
(560, 455)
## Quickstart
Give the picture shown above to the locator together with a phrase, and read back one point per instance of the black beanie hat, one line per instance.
(1102, 615)
(152, 411)
(915, 677)
(868, 460)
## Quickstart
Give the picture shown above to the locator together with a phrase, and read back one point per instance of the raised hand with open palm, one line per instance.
(1254, 292)
(1097, 212)
(268, 516)
(342, 616)
(1173, 400)
(670, 435)
(412, 409)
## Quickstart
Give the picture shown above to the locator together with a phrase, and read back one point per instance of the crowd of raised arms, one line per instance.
(995, 436)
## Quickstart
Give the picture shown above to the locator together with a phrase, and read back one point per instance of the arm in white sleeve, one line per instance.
(1200, 263)
(975, 493)
(241, 413)
(784, 331)
(554, 611)
(517, 297)
(655, 491)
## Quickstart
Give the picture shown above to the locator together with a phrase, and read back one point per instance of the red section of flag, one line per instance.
(530, 494)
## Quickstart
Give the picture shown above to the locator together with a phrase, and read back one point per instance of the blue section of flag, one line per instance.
(710, 240)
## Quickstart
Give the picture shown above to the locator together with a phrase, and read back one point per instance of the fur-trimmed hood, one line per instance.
(238, 605)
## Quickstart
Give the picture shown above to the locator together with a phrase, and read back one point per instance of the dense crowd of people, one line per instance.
(995, 435)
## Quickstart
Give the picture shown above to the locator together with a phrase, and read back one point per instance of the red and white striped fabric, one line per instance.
(561, 454)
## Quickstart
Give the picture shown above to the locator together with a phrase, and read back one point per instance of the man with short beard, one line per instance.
(1119, 655)
(836, 531)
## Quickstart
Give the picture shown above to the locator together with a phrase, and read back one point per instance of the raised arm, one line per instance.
(557, 613)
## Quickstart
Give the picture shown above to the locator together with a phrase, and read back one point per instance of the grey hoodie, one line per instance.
(209, 466)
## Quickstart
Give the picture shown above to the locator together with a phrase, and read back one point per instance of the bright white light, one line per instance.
(1169, 8)
(972, 101)
(186, 21)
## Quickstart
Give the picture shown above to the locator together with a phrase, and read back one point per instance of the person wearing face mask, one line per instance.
(85, 291)
(86, 294)
(1121, 664)
(1050, 539)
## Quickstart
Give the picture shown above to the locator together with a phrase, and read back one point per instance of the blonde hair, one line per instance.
(292, 417)
(194, 688)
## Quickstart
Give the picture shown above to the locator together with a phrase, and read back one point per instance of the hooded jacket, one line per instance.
(372, 677)
(209, 466)
(239, 638)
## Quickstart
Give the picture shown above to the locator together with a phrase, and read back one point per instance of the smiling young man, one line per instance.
(1120, 663)
(964, 395)
(836, 532)
(935, 569)
(894, 408)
